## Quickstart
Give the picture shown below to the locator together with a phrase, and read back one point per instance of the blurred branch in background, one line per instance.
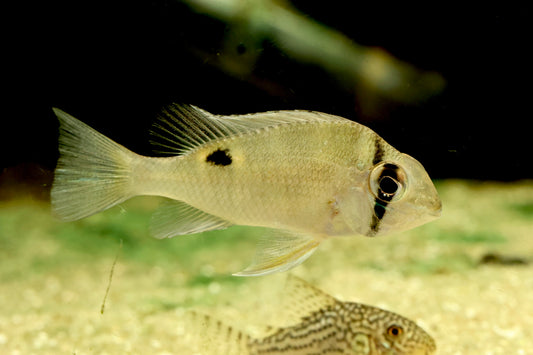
(371, 71)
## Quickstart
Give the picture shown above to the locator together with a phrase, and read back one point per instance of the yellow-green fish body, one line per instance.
(332, 327)
(287, 193)
(308, 174)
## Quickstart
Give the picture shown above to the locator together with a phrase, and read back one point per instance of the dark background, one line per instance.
(114, 64)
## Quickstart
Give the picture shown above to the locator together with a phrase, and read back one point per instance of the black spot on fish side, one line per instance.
(219, 157)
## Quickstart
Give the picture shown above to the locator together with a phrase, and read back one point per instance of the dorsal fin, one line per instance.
(181, 128)
(302, 299)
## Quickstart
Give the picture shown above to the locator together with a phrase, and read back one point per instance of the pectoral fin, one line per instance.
(174, 218)
(280, 252)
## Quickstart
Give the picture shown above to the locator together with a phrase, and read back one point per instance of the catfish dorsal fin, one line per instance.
(182, 128)
(302, 299)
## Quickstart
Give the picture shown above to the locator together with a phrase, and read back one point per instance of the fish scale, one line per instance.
(270, 191)
(306, 176)
(314, 333)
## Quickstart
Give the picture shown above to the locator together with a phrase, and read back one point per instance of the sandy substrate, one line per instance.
(51, 296)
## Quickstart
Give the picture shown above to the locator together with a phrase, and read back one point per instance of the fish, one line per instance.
(305, 176)
(328, 326)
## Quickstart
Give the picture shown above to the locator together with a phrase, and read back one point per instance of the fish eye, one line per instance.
(394, 331)
(388, 182)
(388, 185)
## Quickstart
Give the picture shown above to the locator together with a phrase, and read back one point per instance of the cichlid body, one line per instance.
(328, 327)
(307, 175)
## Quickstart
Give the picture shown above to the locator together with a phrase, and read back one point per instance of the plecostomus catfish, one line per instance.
(307, 175)
(328, 327)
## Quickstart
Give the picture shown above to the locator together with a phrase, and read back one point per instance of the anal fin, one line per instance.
(174, 218)
(280, 252)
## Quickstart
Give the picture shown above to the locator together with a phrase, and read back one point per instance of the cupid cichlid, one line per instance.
(326, 326)
(308, 175)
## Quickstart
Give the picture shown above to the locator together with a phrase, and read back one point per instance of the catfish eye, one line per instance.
(388, 182)
(394, 331)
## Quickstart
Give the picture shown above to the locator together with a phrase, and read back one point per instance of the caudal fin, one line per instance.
(93, 172)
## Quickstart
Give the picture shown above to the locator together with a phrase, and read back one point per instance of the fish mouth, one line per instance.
(436, 211)
(426, 212)
(430, 207)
